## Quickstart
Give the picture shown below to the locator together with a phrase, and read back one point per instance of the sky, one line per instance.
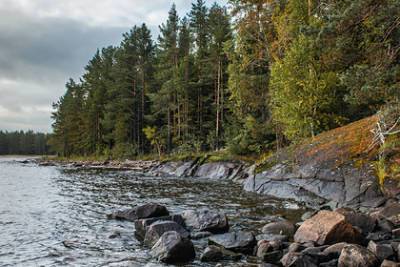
(45, 42)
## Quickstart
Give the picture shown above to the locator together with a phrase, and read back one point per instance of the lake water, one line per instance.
(54, 216)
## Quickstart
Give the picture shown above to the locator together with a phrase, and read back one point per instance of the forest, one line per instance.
(248, 77)
(24, 143)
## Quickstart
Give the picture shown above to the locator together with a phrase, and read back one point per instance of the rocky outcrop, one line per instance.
(173, 248)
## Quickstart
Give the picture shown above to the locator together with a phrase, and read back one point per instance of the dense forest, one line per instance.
(252, 76)
(24, 143)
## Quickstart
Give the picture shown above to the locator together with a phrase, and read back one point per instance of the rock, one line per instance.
(396, 233)
(200, 235)
(173, 248)
(379, 236)
(215, 170)
(327, 227)
(157, 229)
(381, 251)
(365, 222)
(390, 212)
(141, 212)
(335, 250)
(243, 242)
(307, 215)
(142, 225)
(271, 257)
(115, 234)
(269, 251)
(387, 263)
(279, 228)
(211, 254)
(317, 254)
(296, 259)
(357, 256)
(205, 220)
(331, 263)
(272, 237)
(385, 225)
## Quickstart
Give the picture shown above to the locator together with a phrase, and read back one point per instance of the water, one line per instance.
(53, 216)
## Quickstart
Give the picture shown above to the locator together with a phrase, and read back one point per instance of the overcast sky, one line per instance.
(44, 42)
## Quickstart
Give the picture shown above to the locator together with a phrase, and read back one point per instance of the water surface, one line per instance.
(54, 216)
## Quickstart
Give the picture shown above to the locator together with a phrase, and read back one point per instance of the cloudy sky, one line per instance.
(44, 42)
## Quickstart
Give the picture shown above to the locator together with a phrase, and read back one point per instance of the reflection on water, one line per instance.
(52, 216)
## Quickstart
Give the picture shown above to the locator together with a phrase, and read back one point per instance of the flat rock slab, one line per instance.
(241, 241)
(205, 220)
(157, 229)
(172, 248)
(327, 227)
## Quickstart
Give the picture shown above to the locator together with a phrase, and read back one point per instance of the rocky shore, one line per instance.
(354, 222)
(342, 237)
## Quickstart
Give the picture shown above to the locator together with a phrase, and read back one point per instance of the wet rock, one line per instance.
(381, 251)
(173, 248)
(335, 250)
(357, 256)
(279, 228)
(141, 212)
(364, 222)
(142, 225)
(200, 235)
(296, 259)
(211, 254)
(157, 229)
(205, 220)
(243, 242)
(387, 263)
(327, 227)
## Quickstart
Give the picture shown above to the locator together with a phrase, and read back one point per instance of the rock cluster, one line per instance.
(341, 237)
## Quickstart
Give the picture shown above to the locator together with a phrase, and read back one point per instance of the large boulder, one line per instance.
(357, 256)
(149, 210)
(157, 229)
(205, 220)
(327, 227)
(142, 225)
(173, 248)
(243, 242)
(279, 228)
